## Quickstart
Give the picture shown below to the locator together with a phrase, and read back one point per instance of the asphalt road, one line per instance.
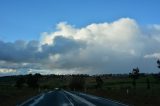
(66, 98)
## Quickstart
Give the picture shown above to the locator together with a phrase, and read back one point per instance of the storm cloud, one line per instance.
(114, 47)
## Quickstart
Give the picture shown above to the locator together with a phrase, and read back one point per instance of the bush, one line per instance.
(77, 83)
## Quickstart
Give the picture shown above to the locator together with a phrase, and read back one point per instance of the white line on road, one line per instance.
(96, 97)
(80, 99)
(66, 104)
(114, 101)
(50, 91)
(37, 100)
(28, 100)
(68, 100)
(90, 96)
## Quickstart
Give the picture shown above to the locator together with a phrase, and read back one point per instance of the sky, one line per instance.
(79, 36)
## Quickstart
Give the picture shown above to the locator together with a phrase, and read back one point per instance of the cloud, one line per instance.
(7, 71)
(18, 51)
(154, 55)
(4, 70)
(103, 42)
(113, 47)
(117, 36)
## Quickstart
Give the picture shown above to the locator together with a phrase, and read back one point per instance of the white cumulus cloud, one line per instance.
(154, 55)
(5, 70)
(108, 47)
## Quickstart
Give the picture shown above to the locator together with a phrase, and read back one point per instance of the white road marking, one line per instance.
(90, 96)
(28, 100)
(80, 99)
(69, 100)
(66, 104)
(50, 91)
(114, 101)
(95, 97)
(37, 100)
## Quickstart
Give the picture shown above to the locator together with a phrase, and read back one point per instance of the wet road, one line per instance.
(66, 98)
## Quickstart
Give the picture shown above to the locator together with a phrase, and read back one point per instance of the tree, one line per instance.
(19, 83)
(77, 83)
(158, 62)
(148, 83)
(158, 75)
(135, 75)
(99, 82)
(32, 80)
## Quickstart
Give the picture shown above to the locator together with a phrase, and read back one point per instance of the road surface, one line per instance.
(68, 98)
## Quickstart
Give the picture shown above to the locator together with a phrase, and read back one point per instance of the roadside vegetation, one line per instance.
(121, 87)
(135, 88)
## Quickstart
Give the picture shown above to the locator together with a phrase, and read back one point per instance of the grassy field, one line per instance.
(121, 89)
(115, 88)
(11, 96)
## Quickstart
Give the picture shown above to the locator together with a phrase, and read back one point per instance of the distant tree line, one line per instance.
(78, 82)
(30, 80)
